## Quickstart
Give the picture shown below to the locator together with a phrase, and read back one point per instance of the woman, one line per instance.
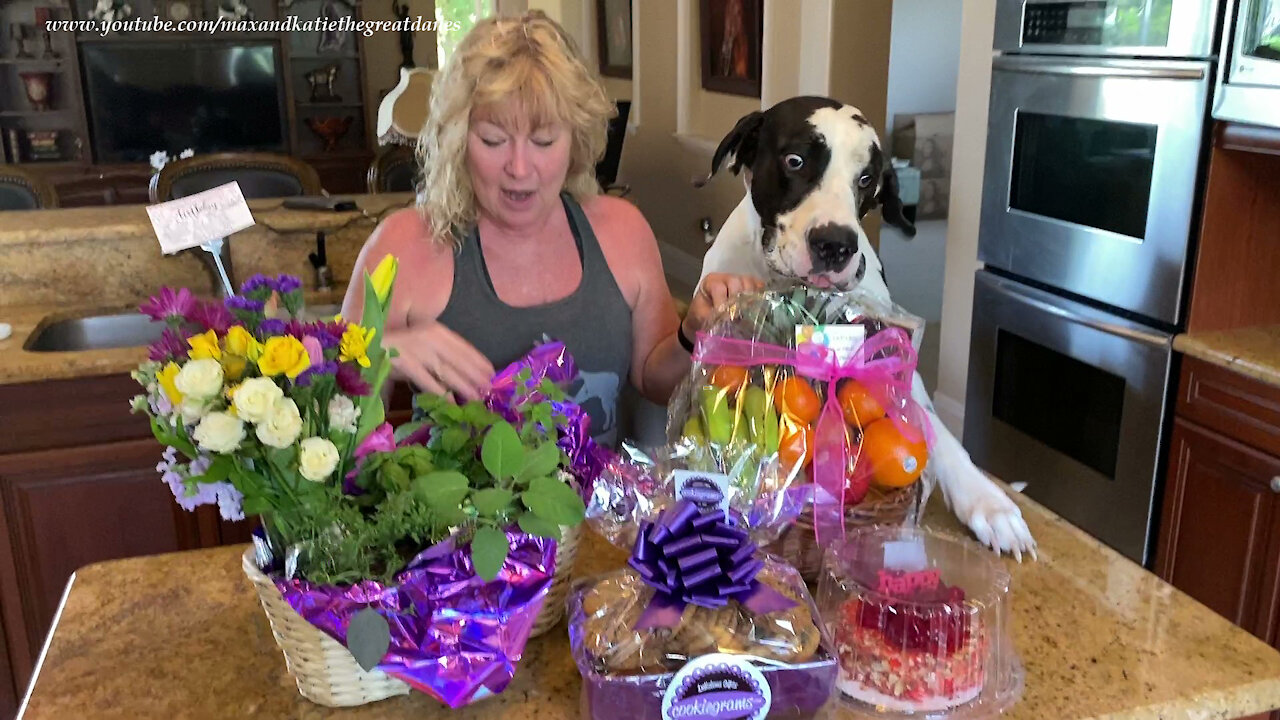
(511, 243)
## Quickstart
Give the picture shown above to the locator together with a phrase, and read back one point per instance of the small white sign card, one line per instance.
(843, 340)
(195, 220)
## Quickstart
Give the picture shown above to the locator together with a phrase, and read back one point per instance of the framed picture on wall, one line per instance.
(613, 34)
(732, 34)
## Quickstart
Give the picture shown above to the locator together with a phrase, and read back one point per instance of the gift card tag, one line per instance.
(196, 219)
(905, 555)
(709, 491)
(716, 687)
(842, 339)
(368, 637)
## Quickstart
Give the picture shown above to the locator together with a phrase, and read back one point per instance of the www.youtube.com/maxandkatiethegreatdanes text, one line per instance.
(291, 23)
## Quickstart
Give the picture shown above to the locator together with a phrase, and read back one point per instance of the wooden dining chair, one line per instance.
(24, 190)
(260, 175)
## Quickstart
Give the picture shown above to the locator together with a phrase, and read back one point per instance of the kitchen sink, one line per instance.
(98, 332)
(121, 330)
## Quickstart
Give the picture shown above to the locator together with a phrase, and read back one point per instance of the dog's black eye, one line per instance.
(865, 181)
(793, 161)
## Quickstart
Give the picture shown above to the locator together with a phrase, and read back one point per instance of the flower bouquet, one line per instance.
(386, 561)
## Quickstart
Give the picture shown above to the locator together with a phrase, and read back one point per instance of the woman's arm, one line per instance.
(659, 362)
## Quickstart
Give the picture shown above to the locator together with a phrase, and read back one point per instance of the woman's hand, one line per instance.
(438, 360)
(715, 290)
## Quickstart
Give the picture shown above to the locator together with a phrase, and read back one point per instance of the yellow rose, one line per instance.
(283, 354)
(166, 378)
(233, 366)
(240, 342)
(382, 277)
(355, 344)
(205, 346)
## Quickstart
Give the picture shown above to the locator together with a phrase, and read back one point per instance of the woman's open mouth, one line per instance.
(518, 196)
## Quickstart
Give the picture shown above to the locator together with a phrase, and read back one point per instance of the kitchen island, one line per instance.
(182, 635)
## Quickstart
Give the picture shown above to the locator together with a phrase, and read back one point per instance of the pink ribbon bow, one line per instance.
(884, 364)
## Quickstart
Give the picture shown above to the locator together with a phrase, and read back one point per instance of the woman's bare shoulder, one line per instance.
(618, 222)
(404, 233)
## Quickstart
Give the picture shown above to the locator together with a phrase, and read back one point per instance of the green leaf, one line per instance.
(542, 461)
(491, 501)
(554, 501)
(393, 476)
(255, 505)
(501, 451)
(488, 551)
(476, 414)
(407, 429)
(535, 525)
(219, 470)
(452, 439)
(443, 489)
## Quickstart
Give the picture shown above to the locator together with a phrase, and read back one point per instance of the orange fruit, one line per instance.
(729, 377)
(895, 461)
(859, 407)
(795, 446)
(795, 398)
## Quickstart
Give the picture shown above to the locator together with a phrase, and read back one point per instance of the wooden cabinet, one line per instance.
(1220, 524)
(78, 485)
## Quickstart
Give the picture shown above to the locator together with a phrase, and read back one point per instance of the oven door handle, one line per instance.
(1162, 71)
(1031, 296)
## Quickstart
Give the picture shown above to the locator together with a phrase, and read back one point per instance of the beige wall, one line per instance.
(973, 89)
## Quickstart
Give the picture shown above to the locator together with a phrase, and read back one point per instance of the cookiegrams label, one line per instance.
(717, 687)
(709, 491)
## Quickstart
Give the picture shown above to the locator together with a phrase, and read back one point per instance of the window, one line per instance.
(463, 12)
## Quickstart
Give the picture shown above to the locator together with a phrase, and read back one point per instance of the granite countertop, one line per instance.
(183, 635)
(18, 365)
(97, 224)
(1252, 351)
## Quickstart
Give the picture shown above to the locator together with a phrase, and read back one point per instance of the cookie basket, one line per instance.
(921, 624)
(657, 663)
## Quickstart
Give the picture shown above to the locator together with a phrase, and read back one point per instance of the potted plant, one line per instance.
(368, 540)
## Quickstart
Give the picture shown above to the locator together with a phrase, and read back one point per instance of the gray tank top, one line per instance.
(594, 322)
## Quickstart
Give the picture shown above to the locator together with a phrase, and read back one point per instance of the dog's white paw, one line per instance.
(994, 519)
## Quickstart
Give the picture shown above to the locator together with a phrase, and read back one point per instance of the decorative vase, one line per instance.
(330, 129)
(37, 85)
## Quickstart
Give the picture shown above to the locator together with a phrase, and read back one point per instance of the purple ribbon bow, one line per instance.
(689, 556)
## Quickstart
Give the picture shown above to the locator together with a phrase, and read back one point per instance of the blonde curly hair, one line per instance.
(529, 60)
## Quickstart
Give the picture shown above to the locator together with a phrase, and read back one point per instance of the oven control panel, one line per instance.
(1064, 23)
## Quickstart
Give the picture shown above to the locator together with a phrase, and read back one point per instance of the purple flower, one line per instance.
(235, 303)
(306, 376)
(212, 316)
(172, 345)
(229, 501)
(350, 381)
(272, 326)
(168, 305)
(258, 287)
(381, 439)
(286, 284)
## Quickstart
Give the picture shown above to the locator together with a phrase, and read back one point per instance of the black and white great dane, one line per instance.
(813, 168)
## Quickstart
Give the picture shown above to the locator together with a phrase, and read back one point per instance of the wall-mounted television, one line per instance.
(158, 95)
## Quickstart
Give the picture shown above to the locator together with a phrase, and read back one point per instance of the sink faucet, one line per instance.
(215, 255)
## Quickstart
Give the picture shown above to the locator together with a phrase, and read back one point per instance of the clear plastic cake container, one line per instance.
(921, 624)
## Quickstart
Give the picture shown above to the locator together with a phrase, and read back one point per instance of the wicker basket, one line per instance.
(800, 549)
(326, 672)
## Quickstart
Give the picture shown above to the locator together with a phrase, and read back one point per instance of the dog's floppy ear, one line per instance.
(740, 143)
(890, 204)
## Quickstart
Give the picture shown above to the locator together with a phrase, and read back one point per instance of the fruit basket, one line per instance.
(921, 625)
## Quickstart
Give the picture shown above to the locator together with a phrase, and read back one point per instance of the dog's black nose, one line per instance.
(831, 247)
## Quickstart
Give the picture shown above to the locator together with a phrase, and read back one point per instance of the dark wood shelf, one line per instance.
(55, 63)
(324, 56)
(309, 104)
(338, 155)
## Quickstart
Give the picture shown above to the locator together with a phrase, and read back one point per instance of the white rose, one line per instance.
(282, 427)
(343, 414)
(255, 398)
(200, 379)
(317, 459)
(219, 432)
(192, 409)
